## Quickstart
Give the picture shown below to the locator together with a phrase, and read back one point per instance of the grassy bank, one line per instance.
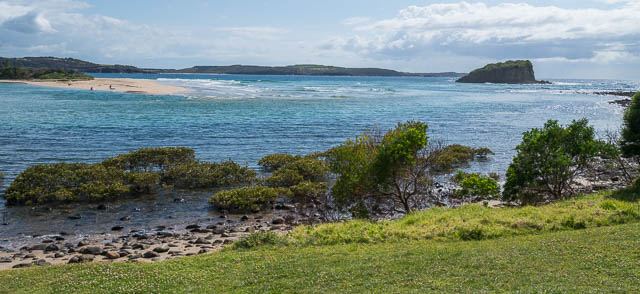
(588, 244)
(475, 222)
(603, 259)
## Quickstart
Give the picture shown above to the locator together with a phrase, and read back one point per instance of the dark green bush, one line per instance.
(455, 155)
(204, 175)
(247, 198)
(548, 160)
(273, 162)
(474, 184)
(306, 192)
(284, 178)
(63, 182)
(305, 169)
(152, 159)
(630, 144)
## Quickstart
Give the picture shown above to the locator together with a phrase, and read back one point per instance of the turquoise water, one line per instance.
(246, 117)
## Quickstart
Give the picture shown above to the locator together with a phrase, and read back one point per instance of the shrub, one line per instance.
(273, 162)
(247, 198)
(630, 144)
(548, 160)
(305, 169)
(204, 175)
(152, 159)
(396, 168)
(306, 192)
(68, 182)
(475, 184)
(260, 239)
(284, 178)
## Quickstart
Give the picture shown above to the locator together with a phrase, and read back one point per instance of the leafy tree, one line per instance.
(396, 168)
(474, 184)
(247, 198)
(549, 159)
(630, 144)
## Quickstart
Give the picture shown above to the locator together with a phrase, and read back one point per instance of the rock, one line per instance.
(258, 217)
(124, 253)
(244, 218)
(138, 246)
(227, 241)
(5, 259)
(75, 216)
(82, 243)
(93, 250)
(41, 262)
(510, 72)
(58, 238)
(125, 218)
(289, 219)
(80, 259)
(277, 221)
(150, 254)
(21, 265)
(102, 207)
(193, 226)
(178, 200)
(52, 248)
(202, 251)
(117, 228)
(164, 234)
(202, 241)
(47, 241)
(225, 235)
(112, 255)
(161, 249)
(58, 255)
(39, 247)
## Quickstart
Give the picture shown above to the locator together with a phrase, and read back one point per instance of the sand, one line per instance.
(140, 86)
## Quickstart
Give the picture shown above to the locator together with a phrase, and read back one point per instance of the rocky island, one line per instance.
(509, 72)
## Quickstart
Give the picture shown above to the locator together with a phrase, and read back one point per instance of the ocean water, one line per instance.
(244, 117)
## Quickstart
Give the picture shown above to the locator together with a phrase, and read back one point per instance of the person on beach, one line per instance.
(91, 89)
(110, 87)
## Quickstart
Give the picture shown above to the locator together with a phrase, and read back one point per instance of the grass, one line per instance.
(594, 260)
(585, 245)
(476, 222)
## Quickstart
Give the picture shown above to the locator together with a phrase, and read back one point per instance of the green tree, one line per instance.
(549, 159)
(630, 143)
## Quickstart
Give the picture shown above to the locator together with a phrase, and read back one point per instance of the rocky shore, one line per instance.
(156, 244)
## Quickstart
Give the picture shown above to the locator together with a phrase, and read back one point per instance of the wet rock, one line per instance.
(21, 265)
(52, 248)
(102, 207)
(125, 218)
(150, 254)
(47, 241)
(5, 259)
(164, 234)
(75, 217)
(41, 247)
(117, 228)
(178, 200)
(193, 226)
(41, 262)
(277, 221)
(58, 238)
(161, 249)
(93, 250)
(112, 255)
(244, 218)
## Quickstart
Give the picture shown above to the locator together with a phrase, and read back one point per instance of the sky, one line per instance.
(591, 39)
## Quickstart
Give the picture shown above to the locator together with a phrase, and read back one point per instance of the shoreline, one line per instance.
(121, 85)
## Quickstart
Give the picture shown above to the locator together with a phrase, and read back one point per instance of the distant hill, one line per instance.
(509, 72)
(304, 69)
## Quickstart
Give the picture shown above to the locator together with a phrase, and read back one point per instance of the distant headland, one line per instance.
(71, 64)
(509, 72)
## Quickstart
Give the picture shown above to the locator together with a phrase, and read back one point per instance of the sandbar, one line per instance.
(140, 86)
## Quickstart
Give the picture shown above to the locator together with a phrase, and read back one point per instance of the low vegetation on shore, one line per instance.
(21, 73)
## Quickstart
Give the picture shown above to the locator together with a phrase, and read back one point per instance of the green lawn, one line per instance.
(604, 257)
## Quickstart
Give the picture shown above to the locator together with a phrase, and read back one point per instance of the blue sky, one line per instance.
(564, 38)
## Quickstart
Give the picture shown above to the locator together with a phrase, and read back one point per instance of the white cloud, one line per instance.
(356, 20)
(508, 30)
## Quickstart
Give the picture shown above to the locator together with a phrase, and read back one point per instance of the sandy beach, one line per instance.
(140, 86)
